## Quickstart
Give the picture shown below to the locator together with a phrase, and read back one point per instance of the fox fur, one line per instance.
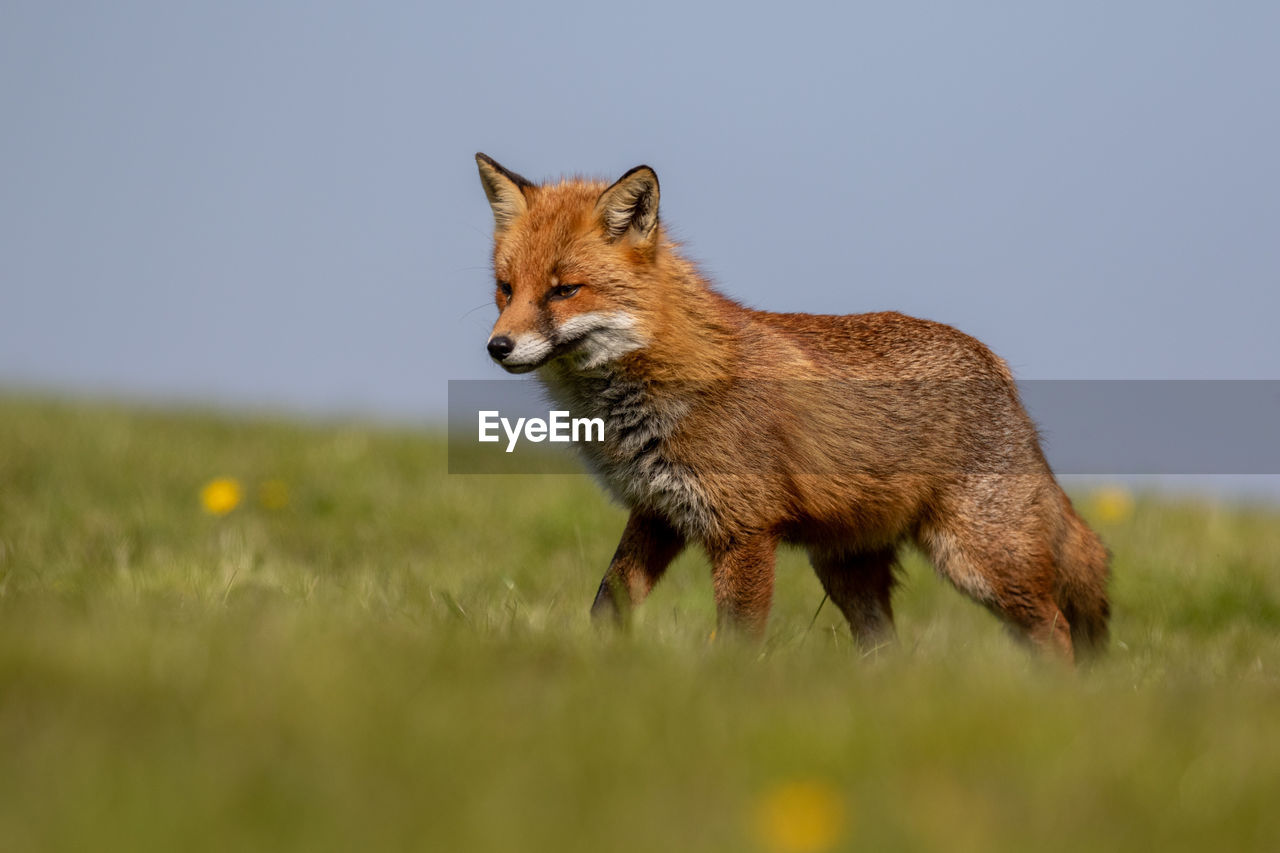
(737, 429)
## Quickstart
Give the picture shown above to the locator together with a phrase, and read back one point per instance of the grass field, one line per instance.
(366, 653)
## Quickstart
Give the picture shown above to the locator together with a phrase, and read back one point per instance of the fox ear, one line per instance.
(631, 205)
(504, 189)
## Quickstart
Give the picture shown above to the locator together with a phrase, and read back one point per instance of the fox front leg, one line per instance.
(648, 546)
(742, 576)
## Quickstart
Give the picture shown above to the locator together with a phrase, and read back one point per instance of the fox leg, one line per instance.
(742, 576)
(648, 546)
(1017, 584)
(1049, 631)
(860, 584)
(1032, 617)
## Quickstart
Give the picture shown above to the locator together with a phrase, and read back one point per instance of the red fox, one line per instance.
(739, 429)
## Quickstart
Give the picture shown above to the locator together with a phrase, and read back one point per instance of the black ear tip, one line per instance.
(646, 170)
(481, 157)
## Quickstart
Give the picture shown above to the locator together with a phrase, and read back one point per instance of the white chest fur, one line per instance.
(636, 461)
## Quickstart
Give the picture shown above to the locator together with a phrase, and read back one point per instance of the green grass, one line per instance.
(401, 659)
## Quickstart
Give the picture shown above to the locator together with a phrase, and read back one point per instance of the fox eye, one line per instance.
(505, 288)
(564, 291)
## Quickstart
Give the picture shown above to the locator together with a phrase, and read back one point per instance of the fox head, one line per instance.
(570, 261)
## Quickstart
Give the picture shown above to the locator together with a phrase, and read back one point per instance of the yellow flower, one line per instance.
(800, 817)
(1113, 503)
(220, 496)
(274, 494)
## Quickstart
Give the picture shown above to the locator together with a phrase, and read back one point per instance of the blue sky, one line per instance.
(275, 203)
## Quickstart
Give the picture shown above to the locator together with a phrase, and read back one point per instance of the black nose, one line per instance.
(501, 347)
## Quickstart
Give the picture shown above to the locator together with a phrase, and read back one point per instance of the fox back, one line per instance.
(738, 429)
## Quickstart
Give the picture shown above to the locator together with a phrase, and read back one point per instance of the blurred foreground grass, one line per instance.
(364, 652)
